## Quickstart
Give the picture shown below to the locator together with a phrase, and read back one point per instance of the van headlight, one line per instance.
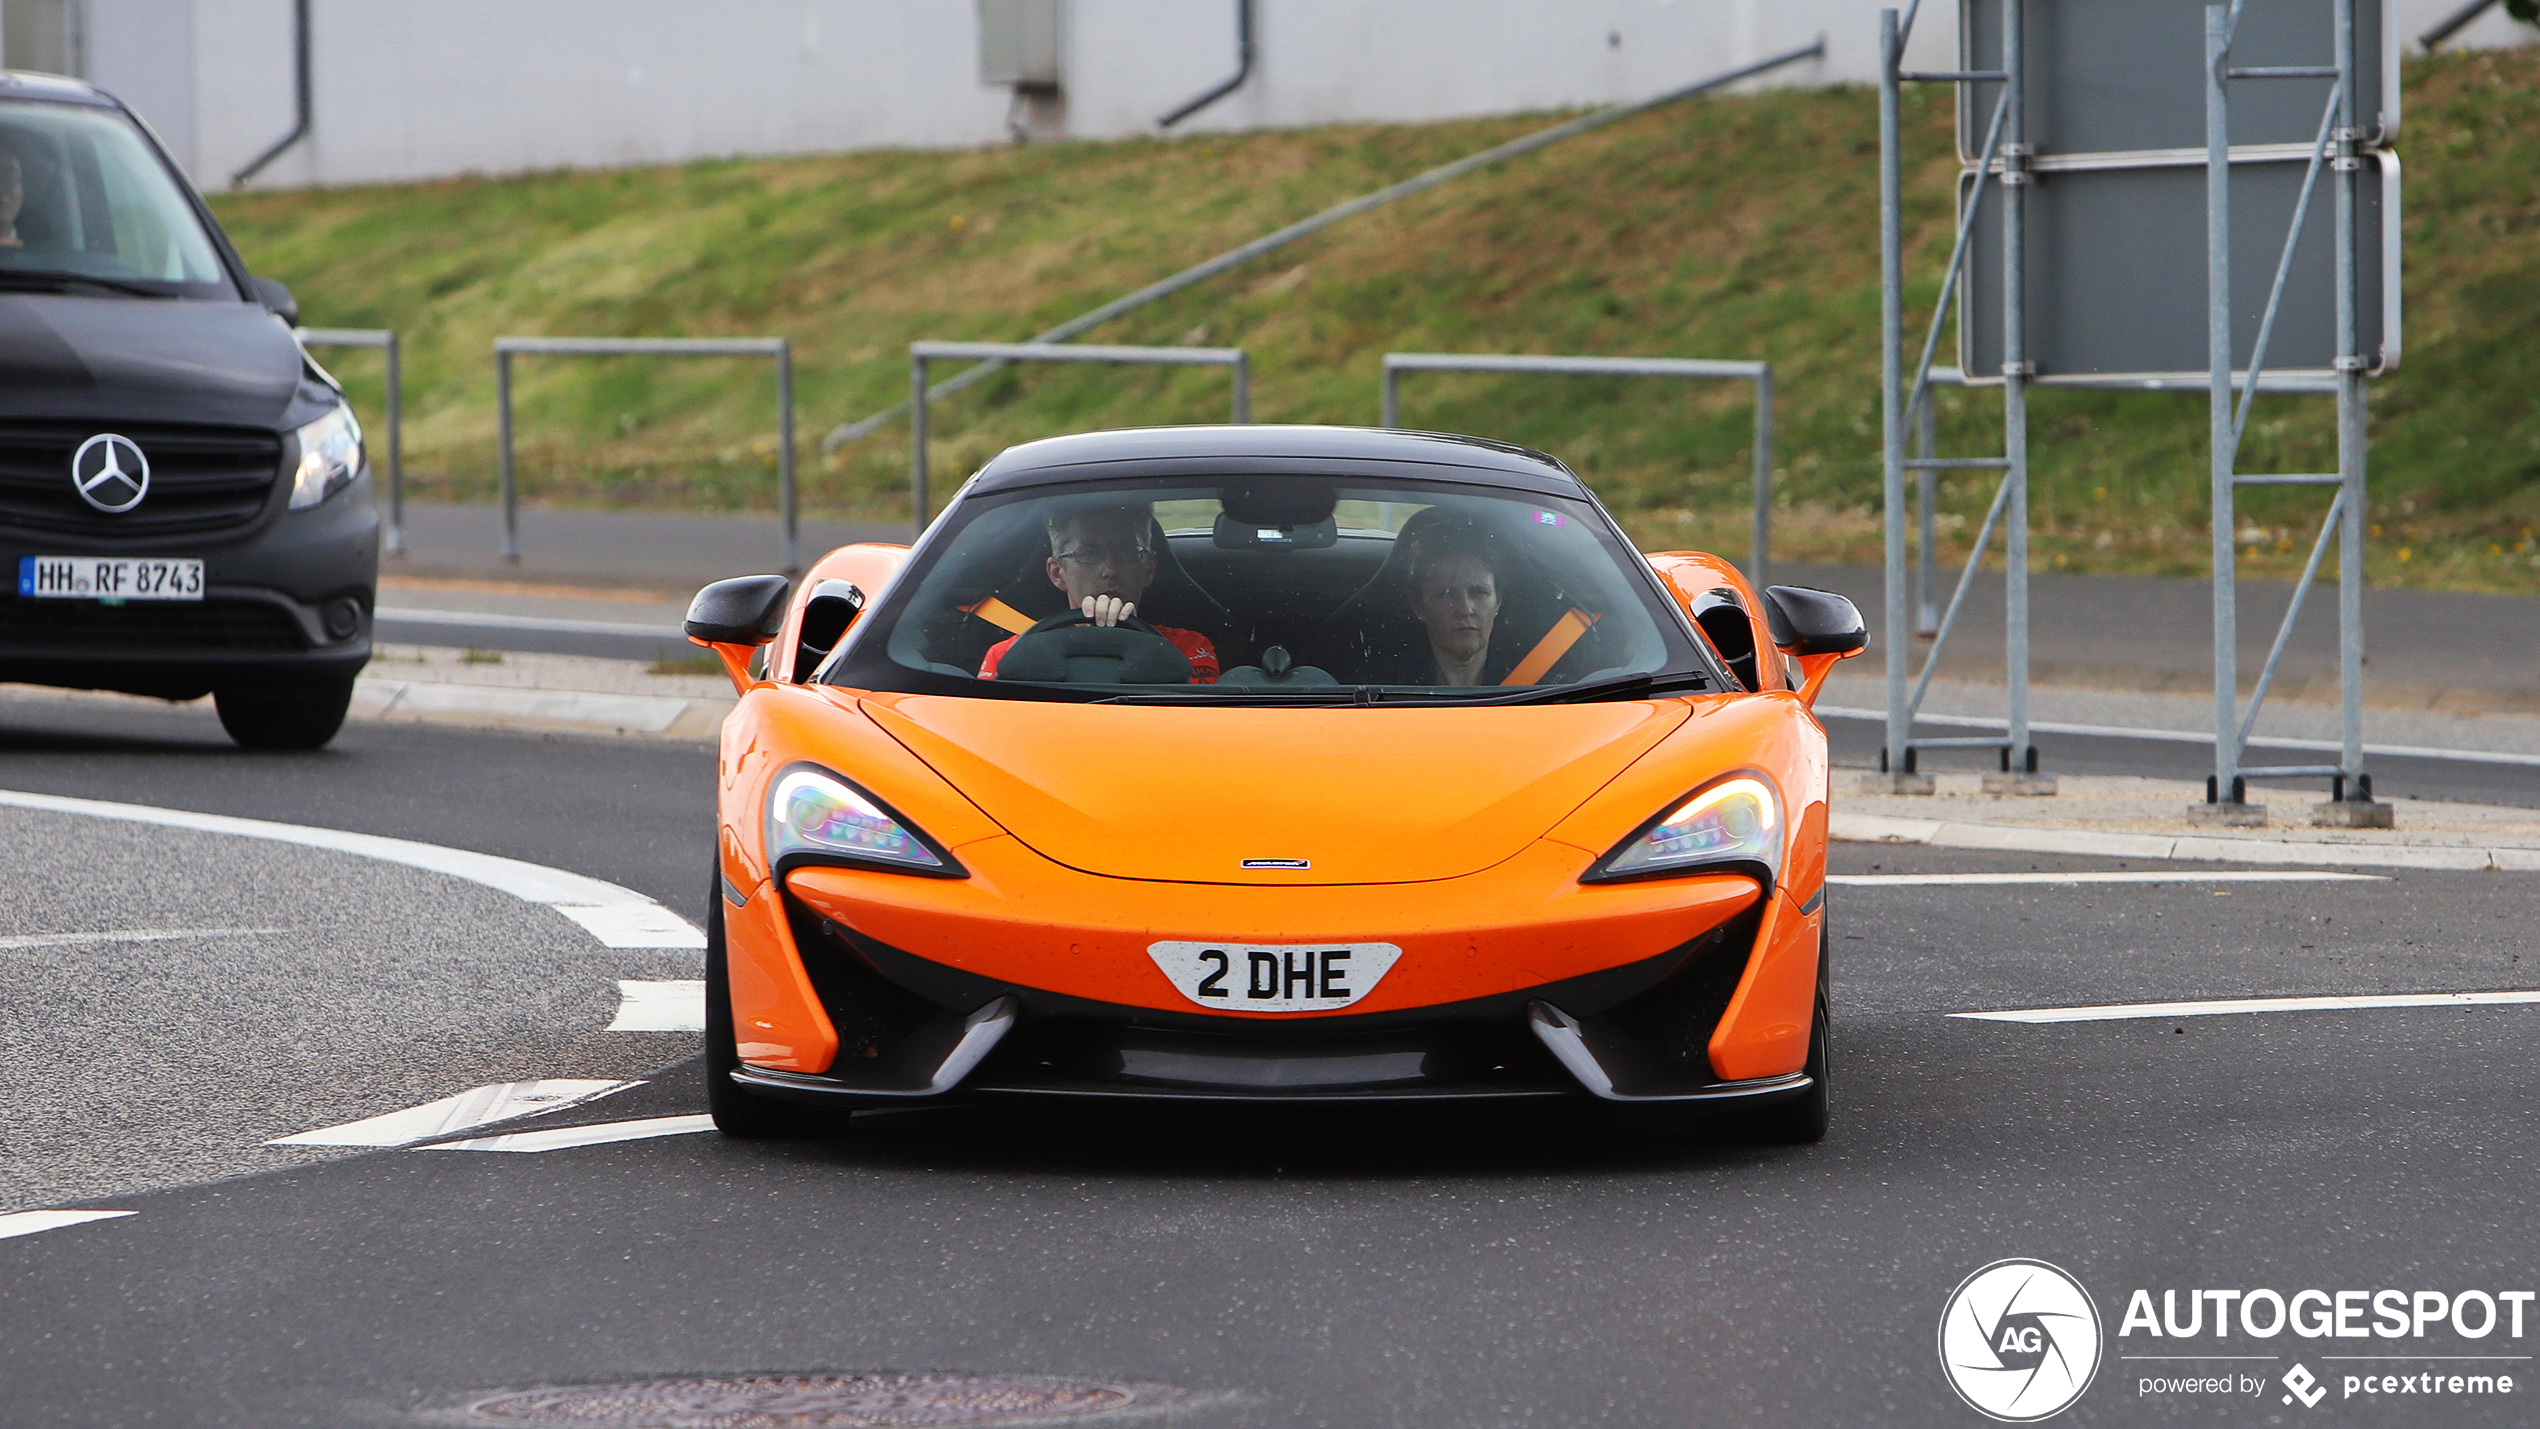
(330, 457)
(1731, 825)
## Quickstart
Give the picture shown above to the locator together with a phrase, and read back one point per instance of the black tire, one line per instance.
(295, 716)
(736, 1112)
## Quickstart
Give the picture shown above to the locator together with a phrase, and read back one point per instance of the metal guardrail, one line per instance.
(922, 353)
(384, 338)
(1695, 368)
(505, 348)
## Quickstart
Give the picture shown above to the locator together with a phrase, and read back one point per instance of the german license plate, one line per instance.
(1274, 977)
(110, 577)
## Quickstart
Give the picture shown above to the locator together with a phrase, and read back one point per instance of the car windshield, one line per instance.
(1299, 589)
(84, 199)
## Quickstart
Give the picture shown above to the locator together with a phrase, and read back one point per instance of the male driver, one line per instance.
(1104, 558)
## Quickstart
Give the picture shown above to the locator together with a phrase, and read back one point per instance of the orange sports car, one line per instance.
(1272, 764)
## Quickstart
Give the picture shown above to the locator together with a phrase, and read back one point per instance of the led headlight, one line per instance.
(816, 817)
(330, 457)
(1732, 824)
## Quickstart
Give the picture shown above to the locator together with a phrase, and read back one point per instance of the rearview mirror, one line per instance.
(745, 610)
(278, 300)
(1814, 622)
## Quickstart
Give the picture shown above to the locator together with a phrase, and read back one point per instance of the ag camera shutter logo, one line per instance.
(2019, 1341)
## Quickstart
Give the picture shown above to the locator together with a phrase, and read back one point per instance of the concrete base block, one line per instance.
(2026, 786)
(1896, 784)
(2353, 814)
(2228, 816)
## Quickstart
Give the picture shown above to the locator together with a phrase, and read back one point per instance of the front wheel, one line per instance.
(736, 1112)
(293, 716)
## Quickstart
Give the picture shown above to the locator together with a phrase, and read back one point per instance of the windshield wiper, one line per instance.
(1253, 695)
(1622, 687)
(56, 280)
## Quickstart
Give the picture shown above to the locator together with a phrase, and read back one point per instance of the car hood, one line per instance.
(1361, 795)
(160, 359)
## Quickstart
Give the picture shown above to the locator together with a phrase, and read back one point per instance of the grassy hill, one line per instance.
(1736, 227)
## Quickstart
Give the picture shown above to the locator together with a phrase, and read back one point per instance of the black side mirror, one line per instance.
(833, 606)
(745, 610)
(278, 300)
(1814, 622)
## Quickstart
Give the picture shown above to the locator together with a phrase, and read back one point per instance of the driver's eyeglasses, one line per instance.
(1098, 555)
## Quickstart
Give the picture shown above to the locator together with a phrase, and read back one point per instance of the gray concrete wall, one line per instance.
(411, 89)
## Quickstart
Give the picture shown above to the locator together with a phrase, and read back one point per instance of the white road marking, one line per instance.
(1940, 880)
(561, 625)
(645, 924)
(127, 935)
(2123, 1011)
(561, 1137)
(635, 925)
(2186, 736)
(29, 1222)
(500, 1102)
(671, 1006)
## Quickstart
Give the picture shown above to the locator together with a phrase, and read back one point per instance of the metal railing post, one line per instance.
(2021, 756)
(503, 436)
(1682, 368)
(999, 354)
(1762, 536)
(396, 451)
(1927, 520)
(788, 497)
(2352, 434)
(1896, 759)
(2226, 786)
(917, 442)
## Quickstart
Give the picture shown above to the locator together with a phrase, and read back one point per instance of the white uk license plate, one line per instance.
(110, 577)
(1274, 977)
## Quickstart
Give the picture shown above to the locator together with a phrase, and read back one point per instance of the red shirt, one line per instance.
(1193, 645)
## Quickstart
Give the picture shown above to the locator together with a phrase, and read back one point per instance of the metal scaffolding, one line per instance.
(1906, 403)
(2341, 149)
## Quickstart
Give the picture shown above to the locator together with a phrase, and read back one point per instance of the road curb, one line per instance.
(438, 702)
(1944, 833)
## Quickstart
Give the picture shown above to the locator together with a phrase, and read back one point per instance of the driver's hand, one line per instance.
(1108, 609)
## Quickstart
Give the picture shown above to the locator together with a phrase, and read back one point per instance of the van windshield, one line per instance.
(1271, 588)
(84, 199)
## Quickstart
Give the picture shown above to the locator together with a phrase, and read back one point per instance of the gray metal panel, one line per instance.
(1018, 43)
(2116, 262)
(2120, 76)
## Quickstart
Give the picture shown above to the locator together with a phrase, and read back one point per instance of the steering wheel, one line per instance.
(1069, 649)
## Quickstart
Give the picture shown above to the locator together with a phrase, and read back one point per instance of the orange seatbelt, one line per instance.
(1003, 616)
(1548, 651)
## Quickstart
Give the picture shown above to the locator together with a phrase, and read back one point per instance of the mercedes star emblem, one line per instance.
(110, 473)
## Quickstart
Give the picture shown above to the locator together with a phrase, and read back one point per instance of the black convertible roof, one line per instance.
(1270, 451)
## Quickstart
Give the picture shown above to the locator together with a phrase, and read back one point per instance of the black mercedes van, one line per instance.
(185, 508)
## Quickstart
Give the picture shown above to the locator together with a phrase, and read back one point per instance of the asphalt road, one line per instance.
(1471, 1269)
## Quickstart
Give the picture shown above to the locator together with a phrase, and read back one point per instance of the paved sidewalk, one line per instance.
(2114, 817)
